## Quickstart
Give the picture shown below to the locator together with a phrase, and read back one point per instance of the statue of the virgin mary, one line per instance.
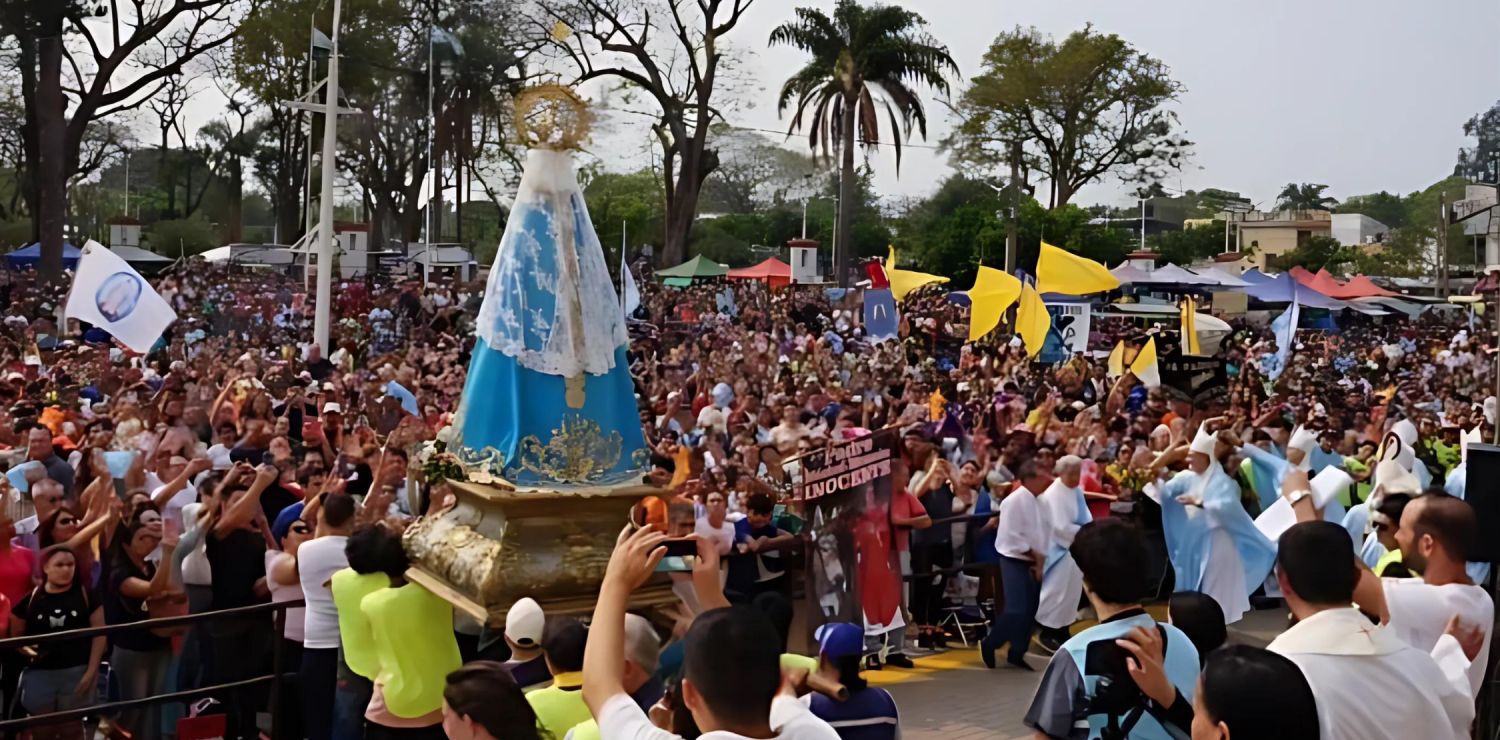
(549, 399)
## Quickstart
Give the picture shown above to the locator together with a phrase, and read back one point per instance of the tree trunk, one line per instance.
(235, 232)
(1061, 194)
(52, 150)
(28, 184)
(843, 245)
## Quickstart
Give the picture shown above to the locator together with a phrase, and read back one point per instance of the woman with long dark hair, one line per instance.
(63, 675)
(140, 659)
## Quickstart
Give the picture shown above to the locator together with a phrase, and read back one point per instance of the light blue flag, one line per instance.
(1285, 327)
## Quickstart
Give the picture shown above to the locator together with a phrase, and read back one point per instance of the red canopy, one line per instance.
(773, 271)
(1358, 287)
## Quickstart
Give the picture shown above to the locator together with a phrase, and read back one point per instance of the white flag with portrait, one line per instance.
(108, 293)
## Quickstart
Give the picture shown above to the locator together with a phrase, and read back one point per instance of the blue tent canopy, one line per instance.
(29, 256)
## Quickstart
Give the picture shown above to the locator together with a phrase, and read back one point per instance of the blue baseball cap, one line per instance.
(284, 521)
(840, 639)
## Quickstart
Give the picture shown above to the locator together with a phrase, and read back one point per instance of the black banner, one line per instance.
(853, 571)
(1194, 380)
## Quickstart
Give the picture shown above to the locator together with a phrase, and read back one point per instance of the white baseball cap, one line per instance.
(524, 623)
(332, 408)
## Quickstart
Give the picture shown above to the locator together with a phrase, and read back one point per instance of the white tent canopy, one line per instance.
(136, 254)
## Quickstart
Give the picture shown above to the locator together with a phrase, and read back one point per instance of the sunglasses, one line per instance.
(67, 522)
(300, 530)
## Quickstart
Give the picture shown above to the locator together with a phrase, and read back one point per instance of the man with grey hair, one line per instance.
(46, 496)
(1062, 581)
(642, 655)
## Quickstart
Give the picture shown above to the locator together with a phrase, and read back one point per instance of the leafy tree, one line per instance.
(1213, 201)
(863, 61)
(1480, 162)
(154, 41)
(755, 173)
(1089, 107)
(1387, 208)
(633, 201)
(964, 224)
(1305, 197)
(187, 236)
(1187, 246)
(1319, 252)
(674, 54)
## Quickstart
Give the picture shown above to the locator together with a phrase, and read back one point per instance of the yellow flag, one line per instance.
(1190, 327)
(1032, 320)
(905, 281)
(1145, 367)
(1117, 360)
(1060, 271)
(993, 292)
(935, 405)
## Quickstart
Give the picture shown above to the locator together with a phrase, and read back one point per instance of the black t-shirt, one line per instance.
(237, 561)
(121, 609)
(274, 499)
(320, 370)
(46, 613)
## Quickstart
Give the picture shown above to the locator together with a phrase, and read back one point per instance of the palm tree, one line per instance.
(1305, 197)
(863, 59)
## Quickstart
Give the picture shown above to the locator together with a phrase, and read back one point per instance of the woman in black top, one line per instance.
(140, 658)
(63, 675)
(236, 547)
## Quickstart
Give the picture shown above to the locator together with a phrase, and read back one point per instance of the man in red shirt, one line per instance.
(907, 513)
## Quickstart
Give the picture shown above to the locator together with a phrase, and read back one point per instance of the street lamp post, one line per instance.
(325, 206)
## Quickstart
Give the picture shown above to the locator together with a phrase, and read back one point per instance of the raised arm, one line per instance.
(175, 486)
(243, 510)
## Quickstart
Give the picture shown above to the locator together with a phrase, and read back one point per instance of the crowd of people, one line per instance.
(235, 465)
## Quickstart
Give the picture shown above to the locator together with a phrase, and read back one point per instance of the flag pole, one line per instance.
(325, 208)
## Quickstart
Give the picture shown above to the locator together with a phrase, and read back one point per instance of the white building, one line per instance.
(1477, 230)
(1355, 229)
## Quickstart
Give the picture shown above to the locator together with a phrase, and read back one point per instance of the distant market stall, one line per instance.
(773, 272)
(695, 269)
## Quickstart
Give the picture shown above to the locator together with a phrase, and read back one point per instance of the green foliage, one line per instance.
(964, 224)
(188, 236)
(484, 224)
(1213, 201)
(1086, 108)
(1319, 252)
(1305, 197)
(634, 201)
(15, 234)
(1387, 208)
(1186, 246)
(1480, 162)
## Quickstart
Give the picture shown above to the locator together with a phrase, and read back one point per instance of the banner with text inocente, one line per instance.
(853, 573)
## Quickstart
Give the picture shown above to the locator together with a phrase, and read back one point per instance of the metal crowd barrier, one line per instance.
(10, 727)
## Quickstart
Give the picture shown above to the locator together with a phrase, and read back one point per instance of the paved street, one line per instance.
(952, 696)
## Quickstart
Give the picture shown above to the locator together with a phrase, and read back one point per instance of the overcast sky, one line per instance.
(1361, 95)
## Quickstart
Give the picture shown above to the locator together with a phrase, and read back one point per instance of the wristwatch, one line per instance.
(1297, 497)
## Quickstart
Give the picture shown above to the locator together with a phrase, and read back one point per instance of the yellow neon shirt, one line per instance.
(349, 589)
(414, 639)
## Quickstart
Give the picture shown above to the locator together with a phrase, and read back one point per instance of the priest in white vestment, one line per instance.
(1368, 684)
(1062, 581)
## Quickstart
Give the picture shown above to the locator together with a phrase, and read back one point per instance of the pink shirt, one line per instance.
(16, 566)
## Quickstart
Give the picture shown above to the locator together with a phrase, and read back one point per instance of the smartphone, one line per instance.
(1105, 658)
(681, 547)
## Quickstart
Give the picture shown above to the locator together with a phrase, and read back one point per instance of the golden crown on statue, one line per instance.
(552, 116)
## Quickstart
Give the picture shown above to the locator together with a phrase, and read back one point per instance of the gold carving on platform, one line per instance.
(577, 453)
(575, 394)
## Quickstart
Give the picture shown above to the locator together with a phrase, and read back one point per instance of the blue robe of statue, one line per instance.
(1187, 531)
(549, 399)
(1318, 459)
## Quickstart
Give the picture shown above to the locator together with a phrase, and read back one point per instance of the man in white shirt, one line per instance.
(1367, 682)
(317, 561)
(1022, 541)
(1436, 535)
(731, 683)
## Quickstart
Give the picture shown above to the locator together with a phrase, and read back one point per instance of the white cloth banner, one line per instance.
(108, 293)
(632, 293)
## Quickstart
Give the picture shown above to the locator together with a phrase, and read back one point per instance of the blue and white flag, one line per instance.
(108, 293)
(881, 321)
(1285, 327)
(630, 294)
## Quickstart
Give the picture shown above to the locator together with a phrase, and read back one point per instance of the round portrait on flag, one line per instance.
(118, 295)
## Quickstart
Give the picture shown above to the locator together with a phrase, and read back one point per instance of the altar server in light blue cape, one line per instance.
(1062, 581)
(1214, 546)
(549, 399)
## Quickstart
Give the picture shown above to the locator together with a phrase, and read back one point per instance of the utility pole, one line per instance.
(1442, 277)
(1011, 239)
(325, 205)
